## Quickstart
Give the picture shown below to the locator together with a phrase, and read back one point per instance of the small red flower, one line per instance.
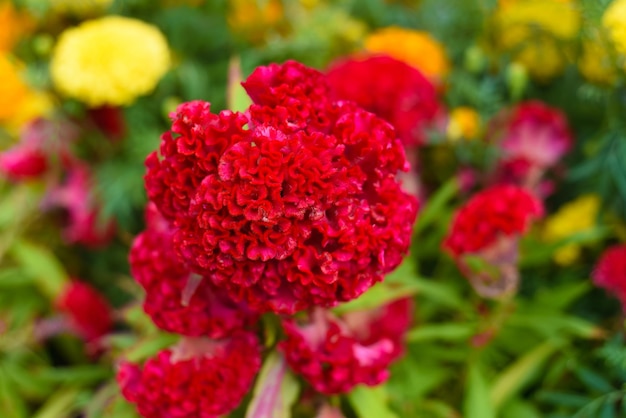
(291, 205)
(89, 313)
(199, 378)
(23, 162)
(502, 210)
(610, 272)
(335, 354)
(392, 90)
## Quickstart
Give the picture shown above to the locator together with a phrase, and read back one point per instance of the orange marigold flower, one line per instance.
(13, 25)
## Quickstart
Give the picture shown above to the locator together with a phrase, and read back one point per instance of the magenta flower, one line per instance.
(610, 272)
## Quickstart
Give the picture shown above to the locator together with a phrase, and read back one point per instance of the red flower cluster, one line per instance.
(178, 300)
(610, 272)
(200, 378)
(498, 210)
(391, 89)
(334, 355)
(292, 205)
(88, 312)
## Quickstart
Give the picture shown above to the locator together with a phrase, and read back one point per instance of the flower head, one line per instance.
(291, 205)
(335, 354)
(199, 378)
(109, 61)
(391, 90)
(464, 122)
(416, 48)
(614, 21)
(178, 300)
(89, 313)
(499, 210)
(13, 26)
(610, 272)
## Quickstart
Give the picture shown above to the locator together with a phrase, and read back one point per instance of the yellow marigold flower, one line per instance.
(614, 21)
(572, 218)
(109, 61)
(535, 31)
(81, 8)
(416, 48)
(13, 25)
(596, 63)
(463, 122)
(252, 19)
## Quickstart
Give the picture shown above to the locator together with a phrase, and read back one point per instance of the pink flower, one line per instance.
(23, 162)
(199, 378)
(88, 312)
(392, 90)
(291, 205)
(610, 272)
(178, 300)
(534, 132)
(335, 354)
(75, 196)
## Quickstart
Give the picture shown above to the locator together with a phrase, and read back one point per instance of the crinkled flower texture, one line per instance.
(109, 61)
(198, 378)
(178, 300)
(391, 89)
(335, 354)
(533, 131)
(89, 313)
(416, 48)
(291, 205)
(502, 210)
(610, 272)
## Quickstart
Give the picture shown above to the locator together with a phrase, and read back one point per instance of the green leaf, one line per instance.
(513, 379)
(445, 332)
(275, 391)
(593, 380)
(477, 401)
(435, 204)
(149, 347)
(376, 296)
(40, 264)
(11, 404)
(237, 99)
(59, 405)
(79, 375)
(370, 402)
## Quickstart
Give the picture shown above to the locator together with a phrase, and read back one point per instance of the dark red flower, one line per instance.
(502, 210)
(336, 354)
(88, 312)
(199, 378)
(391, 89)
(294, 204)
(178, 300)
(610, 272)
(110, 120)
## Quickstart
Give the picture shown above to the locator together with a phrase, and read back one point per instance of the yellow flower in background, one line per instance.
(18, 102)
(596, 63)
(614, 21)
(416, 48)
(536, 33)
(81, 8)
(109, 61)
(13, 25)
(572, 218)
(252, 19)
(463, 122)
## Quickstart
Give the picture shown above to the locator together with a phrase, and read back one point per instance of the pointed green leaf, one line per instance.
(477, 401)
(236, 97)
(370, 402)
(43, 266)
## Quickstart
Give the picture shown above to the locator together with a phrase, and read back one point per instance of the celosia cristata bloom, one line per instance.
(89, 313)
(391, 89)
(416, 48)
(532, 131)
(535, 32)
(23, 162)
(336, 354)
(497, 211)
(572, 218)
(109, 61)
(610, 272)
(200, 378)
(178, 300)
(291, 205)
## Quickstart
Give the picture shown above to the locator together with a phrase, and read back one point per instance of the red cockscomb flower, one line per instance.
(392, 90)
(498, 210)
(336, 354)
(88, 312)
(610, 272)
(23, 162)
(291, 205)
(178, 300)
(199, 378)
